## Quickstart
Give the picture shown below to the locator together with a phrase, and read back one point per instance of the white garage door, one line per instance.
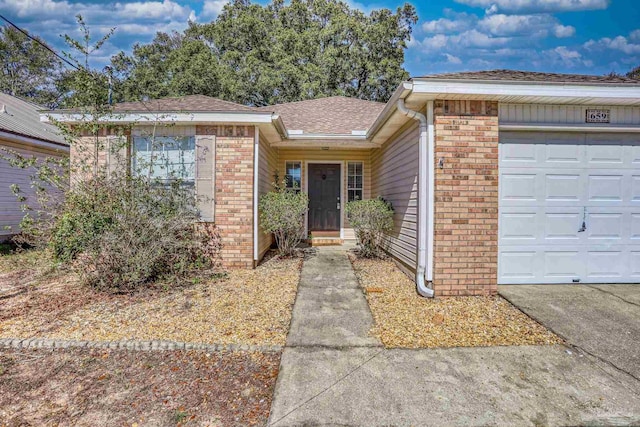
(569, 208)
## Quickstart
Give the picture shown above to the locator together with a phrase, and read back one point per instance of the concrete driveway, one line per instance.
(601, 320)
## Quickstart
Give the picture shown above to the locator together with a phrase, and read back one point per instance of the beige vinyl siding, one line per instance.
(395, 178)
(331, 156)
(10, 208)
(267, 166)
(564, 114)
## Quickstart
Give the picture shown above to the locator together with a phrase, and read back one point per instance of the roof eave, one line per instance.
(535, 92)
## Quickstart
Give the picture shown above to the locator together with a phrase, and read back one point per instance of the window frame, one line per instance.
(286, 169)
(354, 188)
(184, 167)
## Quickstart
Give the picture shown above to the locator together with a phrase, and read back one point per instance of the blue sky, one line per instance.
(574, 36)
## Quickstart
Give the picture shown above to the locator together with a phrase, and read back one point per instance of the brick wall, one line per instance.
(466, 198)
(233, 191)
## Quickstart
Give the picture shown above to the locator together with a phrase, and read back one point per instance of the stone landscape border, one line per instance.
(26, 343)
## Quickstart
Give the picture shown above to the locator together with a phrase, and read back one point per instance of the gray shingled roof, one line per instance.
(532, 76)
(188, 103)
(333, 115)
(23, 118)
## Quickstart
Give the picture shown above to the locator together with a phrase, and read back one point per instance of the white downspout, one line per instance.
(425, 209)
(256, 183)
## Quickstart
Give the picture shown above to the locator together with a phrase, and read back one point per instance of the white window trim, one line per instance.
(362, 176)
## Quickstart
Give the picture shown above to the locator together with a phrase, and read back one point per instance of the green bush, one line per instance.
(282, 213)
(370, 219)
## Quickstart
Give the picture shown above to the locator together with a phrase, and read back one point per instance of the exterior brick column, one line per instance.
(233, 196)
(466, 198)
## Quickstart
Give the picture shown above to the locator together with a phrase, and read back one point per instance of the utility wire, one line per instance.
(39, 42)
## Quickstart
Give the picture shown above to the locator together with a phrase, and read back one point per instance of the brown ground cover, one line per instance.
(403, 319)
(118, 388)
(241, 307)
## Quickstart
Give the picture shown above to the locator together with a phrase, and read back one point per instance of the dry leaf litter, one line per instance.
(246, 307)
(405, 320)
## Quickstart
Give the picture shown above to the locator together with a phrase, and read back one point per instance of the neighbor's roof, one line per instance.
(188, 103)
(530, 76)
(23, 118)
(335, 115)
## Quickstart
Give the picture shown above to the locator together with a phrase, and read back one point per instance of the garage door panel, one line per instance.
(562, 226)
(561, 181)
(606, 264)
(563, 265)
(565, 187)
(605, 188)
(635, 189)
(605, 226)
(634, 264)
(518, 187)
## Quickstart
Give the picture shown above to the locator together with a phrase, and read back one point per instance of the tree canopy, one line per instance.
(27, 70)
(260, 55)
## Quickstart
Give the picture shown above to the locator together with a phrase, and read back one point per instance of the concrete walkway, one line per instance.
(333, 373)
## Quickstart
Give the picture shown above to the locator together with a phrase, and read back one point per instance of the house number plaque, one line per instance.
(598, 116)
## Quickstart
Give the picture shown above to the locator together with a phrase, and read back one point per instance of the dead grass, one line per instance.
(403, 319)
(245, 307)
(119, 388)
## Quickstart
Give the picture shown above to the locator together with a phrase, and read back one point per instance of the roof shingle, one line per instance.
(532, 76)
(188, 103)
(335, 115)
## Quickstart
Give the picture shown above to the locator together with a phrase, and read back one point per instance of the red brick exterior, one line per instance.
(466, 198)
(234, 192)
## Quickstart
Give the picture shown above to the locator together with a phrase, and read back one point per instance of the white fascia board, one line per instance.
(330, 143)
(12, 137)
(400, 93)
(533, 89)
(178, 118)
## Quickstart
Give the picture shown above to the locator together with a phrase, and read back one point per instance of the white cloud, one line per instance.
(569, 57)
(212, 8)
(538, 25)
(516, 6)
(629, 46)
(456, 24)
(453, 59)
(562, 31)
(436, 42)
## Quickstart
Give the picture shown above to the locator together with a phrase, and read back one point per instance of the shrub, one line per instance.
(282, 213)
(118, 233)
(370, 219)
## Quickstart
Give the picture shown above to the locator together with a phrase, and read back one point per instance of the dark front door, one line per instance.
(324, 197)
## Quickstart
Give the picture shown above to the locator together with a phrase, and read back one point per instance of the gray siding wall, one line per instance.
(267, 166)
(10, 209)
(395, 178)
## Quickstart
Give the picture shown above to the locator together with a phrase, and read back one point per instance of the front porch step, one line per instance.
(326, 241)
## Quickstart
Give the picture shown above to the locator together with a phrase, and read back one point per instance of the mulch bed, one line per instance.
(120, 388)
(405, 320)
(244, 307)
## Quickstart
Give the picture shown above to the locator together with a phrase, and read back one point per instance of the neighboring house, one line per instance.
(495, 177)
(22, 131)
